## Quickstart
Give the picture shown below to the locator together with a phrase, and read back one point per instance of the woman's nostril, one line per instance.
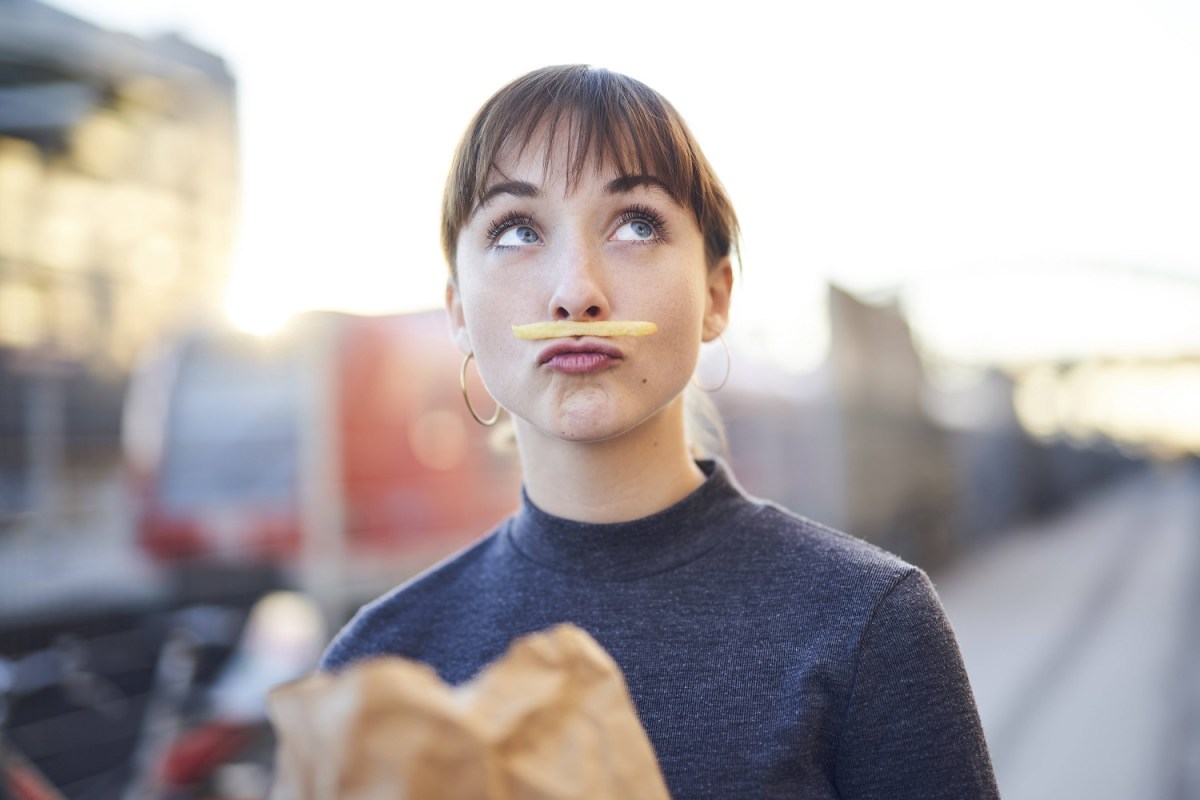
(593, 311)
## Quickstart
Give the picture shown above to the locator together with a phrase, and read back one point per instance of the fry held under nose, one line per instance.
(565, 328)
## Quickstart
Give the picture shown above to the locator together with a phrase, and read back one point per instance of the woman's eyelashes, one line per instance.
(640, 224)
(637, 224)
(514, 229)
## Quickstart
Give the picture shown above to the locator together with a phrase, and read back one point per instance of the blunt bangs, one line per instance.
(609, 120)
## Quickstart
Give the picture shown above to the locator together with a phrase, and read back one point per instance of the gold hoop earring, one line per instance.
(728, 365)
(462, 381)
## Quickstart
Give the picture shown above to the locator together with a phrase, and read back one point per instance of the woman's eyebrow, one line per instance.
(513, 188)
(627, 183)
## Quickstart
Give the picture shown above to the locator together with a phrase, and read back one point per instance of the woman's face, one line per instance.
(607, 248)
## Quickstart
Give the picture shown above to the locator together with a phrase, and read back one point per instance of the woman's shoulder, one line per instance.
(769, 525)
(811, 579)
(812, 547)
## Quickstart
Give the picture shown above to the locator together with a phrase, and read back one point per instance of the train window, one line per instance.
(233, 429)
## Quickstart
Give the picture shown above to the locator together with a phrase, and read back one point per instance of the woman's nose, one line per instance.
(580, 293)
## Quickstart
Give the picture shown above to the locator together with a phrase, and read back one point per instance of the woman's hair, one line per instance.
(620, 121)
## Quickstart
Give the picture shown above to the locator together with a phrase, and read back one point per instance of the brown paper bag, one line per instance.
(551, 720)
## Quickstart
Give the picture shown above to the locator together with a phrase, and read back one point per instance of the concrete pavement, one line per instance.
(1081, 635)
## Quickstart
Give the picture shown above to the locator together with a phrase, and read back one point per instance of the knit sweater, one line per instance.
(767, 656)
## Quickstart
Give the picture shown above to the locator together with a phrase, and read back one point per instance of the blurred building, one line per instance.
(898, 467)
(884, 442)
(118, 189)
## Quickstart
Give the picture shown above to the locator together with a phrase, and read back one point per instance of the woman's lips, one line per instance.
(579, 357)
(574, 363)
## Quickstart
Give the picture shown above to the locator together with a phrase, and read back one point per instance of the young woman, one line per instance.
(767, 656)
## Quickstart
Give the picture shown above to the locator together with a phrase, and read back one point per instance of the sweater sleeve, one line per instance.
(911, 729)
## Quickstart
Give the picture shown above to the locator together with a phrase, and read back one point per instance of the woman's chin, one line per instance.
(598, 426)
(577, 422)
(583, 415)
(590, 425)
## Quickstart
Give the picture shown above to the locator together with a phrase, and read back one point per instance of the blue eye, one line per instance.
(640, 224)
(512, 230)
(638, 229)
(516, 236)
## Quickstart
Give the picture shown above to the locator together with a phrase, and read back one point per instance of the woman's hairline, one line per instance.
(595, 139)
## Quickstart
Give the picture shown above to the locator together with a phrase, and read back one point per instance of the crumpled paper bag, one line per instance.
(551, 720)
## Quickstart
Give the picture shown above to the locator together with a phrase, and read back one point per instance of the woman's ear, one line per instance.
(458, 322)
(720, 290)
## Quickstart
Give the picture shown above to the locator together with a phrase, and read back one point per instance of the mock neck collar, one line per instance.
(628, 550)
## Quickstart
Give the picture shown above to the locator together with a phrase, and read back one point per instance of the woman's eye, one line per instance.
(638, 230)
(640, 224)
(517, 236)
(514, 229)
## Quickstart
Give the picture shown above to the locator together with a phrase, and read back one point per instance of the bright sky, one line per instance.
(988, 157)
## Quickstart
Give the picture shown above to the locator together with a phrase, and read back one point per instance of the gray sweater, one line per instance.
(767, 656)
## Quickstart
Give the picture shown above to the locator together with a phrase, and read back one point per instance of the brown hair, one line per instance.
(625, 123)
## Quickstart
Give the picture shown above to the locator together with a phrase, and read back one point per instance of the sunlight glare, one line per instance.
(256, 305)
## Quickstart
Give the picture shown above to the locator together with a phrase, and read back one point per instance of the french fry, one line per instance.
(563, 329)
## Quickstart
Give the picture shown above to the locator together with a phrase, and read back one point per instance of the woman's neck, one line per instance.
(616, 480)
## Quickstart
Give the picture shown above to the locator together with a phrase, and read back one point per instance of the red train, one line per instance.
(338, 451)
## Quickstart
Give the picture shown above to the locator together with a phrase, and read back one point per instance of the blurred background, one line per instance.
(968, 330)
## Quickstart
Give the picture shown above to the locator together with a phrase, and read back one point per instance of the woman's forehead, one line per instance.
(557, 166)
(561, 156)
(549, 154)
(549, 166)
